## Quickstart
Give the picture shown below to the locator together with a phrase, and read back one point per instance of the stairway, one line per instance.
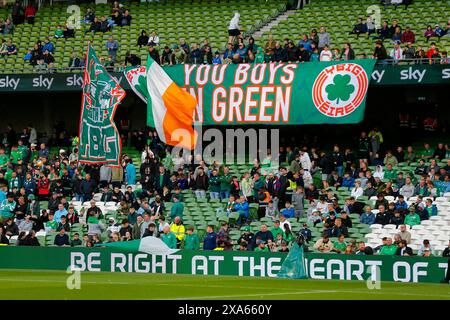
(273, 23)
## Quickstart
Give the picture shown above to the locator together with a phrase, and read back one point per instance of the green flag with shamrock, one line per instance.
(269, 93)
(99, 139)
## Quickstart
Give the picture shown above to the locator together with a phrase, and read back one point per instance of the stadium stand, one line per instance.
(339, 18)
(195, 21)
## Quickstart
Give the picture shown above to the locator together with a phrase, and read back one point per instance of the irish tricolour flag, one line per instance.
(172, 108)
(150, 245)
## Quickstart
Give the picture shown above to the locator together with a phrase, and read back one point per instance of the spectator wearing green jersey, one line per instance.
(7, 207)
(225, 183)
(169, 238)
(51, 225)
(214, 185)
(389, 248)
(340, 245)
(412, 219)
(427, 152)
(276, 229)
(177, 208)
(16, 155)
(4, 159)
(191, 240)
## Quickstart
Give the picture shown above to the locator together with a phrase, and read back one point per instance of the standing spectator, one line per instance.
(30, 13)
(396, 53)
(348, 53)
(324, 38)
(233, 28)
(18, 13)
(326, 54)
(209, 242)
(112, 46)
(380, 51)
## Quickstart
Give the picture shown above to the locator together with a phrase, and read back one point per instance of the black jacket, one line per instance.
(408, 250)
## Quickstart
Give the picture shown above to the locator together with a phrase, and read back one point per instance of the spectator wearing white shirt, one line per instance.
(396, 53)
(307, 178)
(357, 191)
(305, 161)
(326, 54)
(153, 39)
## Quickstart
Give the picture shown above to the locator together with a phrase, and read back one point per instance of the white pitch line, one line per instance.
(255, 295)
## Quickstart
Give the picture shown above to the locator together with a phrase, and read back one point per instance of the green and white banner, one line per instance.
(232, 263)
(270, 93)
(99, 139)
(398, 75)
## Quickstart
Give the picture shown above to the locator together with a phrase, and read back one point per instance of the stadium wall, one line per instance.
(235, 263)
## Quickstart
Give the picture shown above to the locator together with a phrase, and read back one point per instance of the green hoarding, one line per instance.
(234, 263)
(381, 76)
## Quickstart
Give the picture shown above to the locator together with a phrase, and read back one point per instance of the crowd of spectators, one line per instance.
(29, 175)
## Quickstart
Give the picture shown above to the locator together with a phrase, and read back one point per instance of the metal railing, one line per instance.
(386, 62)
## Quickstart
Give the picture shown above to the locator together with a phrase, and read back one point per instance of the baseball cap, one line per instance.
(246, 228)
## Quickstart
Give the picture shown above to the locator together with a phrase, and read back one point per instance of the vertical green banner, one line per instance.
(99, 139)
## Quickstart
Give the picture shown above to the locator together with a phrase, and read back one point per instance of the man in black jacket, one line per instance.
(403, 249)
(446, 254)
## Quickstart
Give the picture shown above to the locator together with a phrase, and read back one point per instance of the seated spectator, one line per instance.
(62, 239)
(429, 33)
(439, 32)
(288, 211)
(74, 61)
(389, 248)
(403, 249)
(30, 13)
(95, 26)
(397, 219)
(216, 59)
(166, 56)
(404, 234)
(143, 39)
(425, 246)
(412, 219)
(397, 35)
(126, 19)
(59, 32)
(408, 36)
(132, 59)
(68, 32)
(49, 46)
(48, 59)
(340, 245)
(11, 49)
(104, 24)
(359, 28)
(382, 216)
(89, 17)
(116, 19)
(324, 244)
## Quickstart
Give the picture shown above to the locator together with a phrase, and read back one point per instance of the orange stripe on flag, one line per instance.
(180, 107)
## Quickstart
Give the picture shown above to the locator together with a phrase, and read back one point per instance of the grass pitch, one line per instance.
(26, 284)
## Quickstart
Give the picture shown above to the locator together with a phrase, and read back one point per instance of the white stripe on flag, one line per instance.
(157, 83)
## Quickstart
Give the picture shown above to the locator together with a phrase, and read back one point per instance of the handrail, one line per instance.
(12, 70)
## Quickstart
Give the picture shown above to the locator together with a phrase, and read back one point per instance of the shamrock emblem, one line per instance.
(340, 89)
